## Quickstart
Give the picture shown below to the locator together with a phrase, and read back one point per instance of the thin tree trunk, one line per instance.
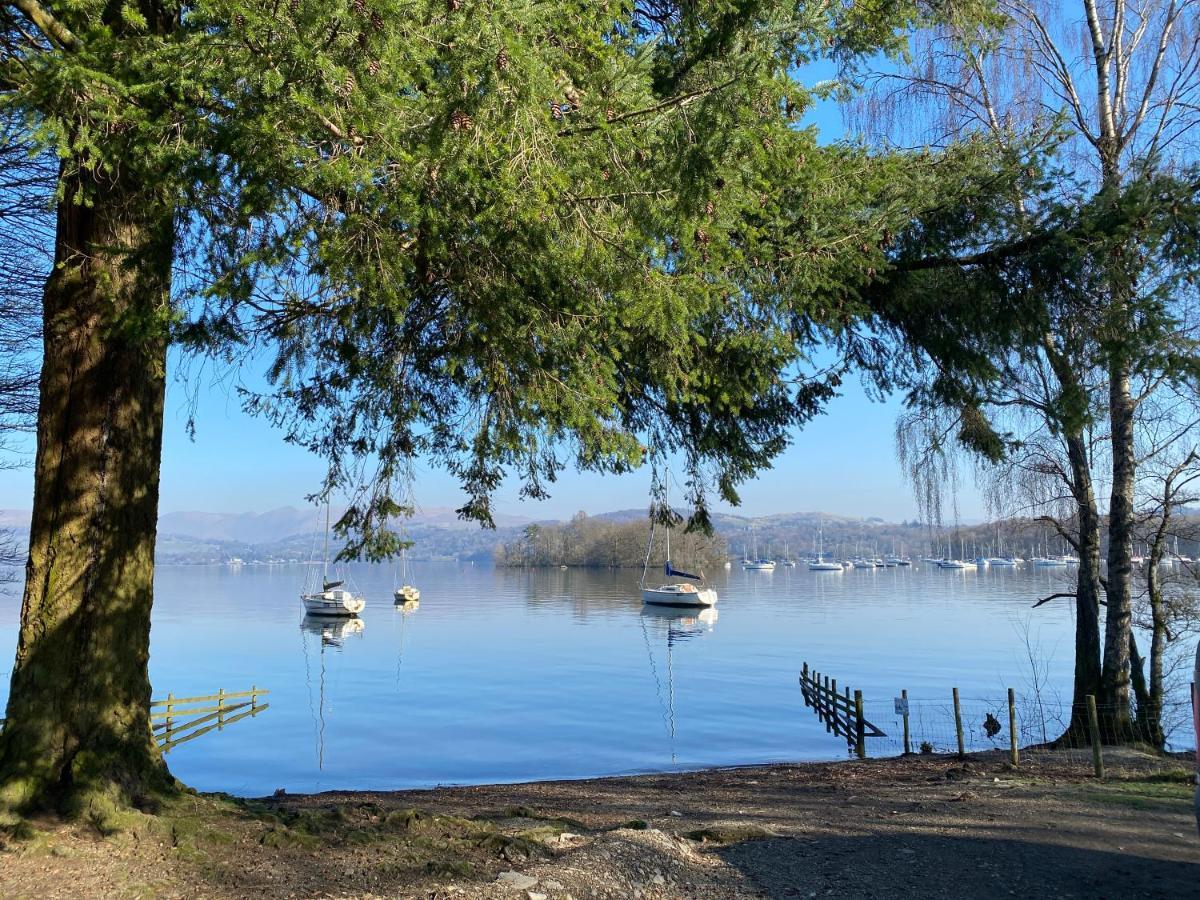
(1072, 403)
(1118, 624)
(1087, 595)
(1150, 696)
(77, 736)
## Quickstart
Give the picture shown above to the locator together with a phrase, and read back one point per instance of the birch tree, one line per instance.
(1111, 90)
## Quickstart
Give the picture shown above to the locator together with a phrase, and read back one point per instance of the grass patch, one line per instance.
(1141, 794)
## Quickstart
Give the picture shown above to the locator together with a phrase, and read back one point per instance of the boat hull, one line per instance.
(671, 595)
(333, 604)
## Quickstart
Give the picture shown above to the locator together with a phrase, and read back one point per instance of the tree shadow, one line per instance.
(936, 865)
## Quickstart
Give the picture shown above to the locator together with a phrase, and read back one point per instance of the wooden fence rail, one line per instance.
(842, 713)
(170, 732)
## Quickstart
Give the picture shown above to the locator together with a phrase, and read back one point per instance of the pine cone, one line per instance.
(348, 86)
(453, 5)
(460, 121)
(555, 112)
(294, 6)
(360, 6)
(502, 60)
(373, 67)
(377, 21)
(701, 236)
(709, 209)
(239, 21)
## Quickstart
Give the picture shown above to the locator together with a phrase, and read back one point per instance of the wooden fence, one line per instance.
(841, 712)
(177, 720)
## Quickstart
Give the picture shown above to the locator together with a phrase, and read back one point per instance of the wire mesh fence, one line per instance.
(956, 723)
(933, 728)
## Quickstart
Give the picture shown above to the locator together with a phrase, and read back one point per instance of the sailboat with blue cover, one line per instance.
(683, 594)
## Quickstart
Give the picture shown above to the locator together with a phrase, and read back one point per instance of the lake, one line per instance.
(511, 675)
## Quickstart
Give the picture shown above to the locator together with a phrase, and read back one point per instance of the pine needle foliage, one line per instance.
(500, 235)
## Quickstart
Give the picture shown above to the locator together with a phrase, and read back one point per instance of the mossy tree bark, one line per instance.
(77, 736)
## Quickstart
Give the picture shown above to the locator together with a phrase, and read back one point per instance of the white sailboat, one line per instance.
(405, 595)
(820, 564)
(334, 599)
(756, 563)
(682, 594)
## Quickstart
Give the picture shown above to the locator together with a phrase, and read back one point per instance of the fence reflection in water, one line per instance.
(170, 732)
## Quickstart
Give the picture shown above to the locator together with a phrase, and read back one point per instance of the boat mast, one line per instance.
(325, 565)
(671, 512)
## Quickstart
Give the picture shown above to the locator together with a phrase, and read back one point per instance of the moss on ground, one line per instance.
(730, 834)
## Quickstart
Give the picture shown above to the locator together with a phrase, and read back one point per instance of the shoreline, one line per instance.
(921, 826)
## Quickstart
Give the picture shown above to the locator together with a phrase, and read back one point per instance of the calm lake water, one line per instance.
(505, 675)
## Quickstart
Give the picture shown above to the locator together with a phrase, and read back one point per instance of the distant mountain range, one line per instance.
(289, 533)
(265, 527)
(288, 521)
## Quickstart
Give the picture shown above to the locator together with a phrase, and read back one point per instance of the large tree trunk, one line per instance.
(1118, 625)
(1087, 595)
(77, 736)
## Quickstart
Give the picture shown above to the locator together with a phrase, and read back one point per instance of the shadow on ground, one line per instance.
(924, 865)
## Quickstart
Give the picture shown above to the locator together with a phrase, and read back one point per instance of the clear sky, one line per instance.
(842, 462)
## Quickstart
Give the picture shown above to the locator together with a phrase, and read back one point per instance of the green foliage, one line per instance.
(500, 235)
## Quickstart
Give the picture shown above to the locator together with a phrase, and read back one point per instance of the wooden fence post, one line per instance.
(958, 729)
(846, 696)
(904, 697)
(220, 708)
(1014, 751)
(860, 742)
(832, 708)
(837, 728)
(254, 696)
(170, 709)
(1094, 731)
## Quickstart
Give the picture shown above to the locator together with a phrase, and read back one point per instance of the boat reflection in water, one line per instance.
(676, 626)
(329, 633)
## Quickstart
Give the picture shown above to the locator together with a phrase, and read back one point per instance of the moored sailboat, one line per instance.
(677, 593)
(333, 599)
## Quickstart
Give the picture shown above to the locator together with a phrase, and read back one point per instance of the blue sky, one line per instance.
(842, 462)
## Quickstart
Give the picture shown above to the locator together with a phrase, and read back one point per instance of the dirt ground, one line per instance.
(927, 826)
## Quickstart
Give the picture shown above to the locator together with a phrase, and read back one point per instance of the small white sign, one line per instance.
(902, 706)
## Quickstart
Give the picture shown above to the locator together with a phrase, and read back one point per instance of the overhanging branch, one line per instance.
(46, 23)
